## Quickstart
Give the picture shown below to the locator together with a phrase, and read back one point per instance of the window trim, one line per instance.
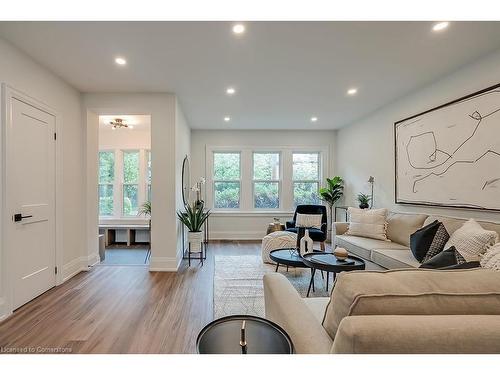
(112, 183)
(118, 183)
(279, 181)
(214, 181)
(246, 176)
(318, 181)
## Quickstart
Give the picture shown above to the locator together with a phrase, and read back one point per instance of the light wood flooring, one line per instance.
(123, 309)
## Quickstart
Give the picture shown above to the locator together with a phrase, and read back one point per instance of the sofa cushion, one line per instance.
(392, 259)
(400, 226)
(413, 292)
(317, 306)
(363, 247)
(367, 223)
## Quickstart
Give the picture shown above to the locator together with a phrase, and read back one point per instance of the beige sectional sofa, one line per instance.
(393, 311)
(396, 253)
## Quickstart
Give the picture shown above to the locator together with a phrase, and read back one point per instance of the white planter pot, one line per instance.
(195, 239)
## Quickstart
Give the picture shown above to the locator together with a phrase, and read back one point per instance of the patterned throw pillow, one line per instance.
(308, 221)
(471, 240)
(368, 223)
(448, 259)
(438, 242)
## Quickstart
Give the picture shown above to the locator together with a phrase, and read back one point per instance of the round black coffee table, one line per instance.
(288, 257)
(329, 263)
(262, 336)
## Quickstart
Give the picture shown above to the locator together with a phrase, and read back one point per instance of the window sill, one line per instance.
(240, 213)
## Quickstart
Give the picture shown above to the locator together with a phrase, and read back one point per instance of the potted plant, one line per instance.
(364, 200)
(193, 218)
(332, 193)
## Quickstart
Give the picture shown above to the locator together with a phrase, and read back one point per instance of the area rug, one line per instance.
(238, 287)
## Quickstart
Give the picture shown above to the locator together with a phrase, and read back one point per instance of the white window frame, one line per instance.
(246, 177)
(107, 183)
(118, 183)
(214, 181)
(317, 181)
(280, 178)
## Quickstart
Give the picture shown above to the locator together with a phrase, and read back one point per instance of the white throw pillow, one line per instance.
(491, 259)
(471, 240)
(308, 221)
(368, 223)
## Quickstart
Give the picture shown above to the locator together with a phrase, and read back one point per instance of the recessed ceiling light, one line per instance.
(230, 91)
(314, 119)
(440, 26)
(227, 119)
(120, 61)
(130, 126)
(352, 91)
(238, 28)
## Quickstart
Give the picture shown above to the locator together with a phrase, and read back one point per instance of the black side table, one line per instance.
(329, 263)
(262, 336)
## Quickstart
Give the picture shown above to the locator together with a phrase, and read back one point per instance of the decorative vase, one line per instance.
(340, 253)
(195, 239)
(363, 205)
(306, 243)
(300, 233)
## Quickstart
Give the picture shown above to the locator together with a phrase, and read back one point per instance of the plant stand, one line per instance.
(186, 253)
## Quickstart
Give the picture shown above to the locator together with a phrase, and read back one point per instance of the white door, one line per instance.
(30, 180)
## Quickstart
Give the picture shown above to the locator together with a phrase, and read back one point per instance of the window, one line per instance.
(266, 180)
(306, 178)
(106, 181)
(130, 187)
(226, 178)
(148, 175)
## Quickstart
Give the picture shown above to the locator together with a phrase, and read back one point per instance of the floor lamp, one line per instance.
(371, 180)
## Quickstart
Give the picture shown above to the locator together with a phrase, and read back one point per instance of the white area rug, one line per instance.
(238, 287)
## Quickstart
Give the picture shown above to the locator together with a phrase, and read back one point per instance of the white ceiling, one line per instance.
(284, 72)
(138, 122)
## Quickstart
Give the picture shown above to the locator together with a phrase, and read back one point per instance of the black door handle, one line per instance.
(19, 217)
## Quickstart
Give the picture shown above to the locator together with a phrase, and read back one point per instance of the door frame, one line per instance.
(6, 281)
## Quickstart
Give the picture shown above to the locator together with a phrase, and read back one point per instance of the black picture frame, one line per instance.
(431, 204)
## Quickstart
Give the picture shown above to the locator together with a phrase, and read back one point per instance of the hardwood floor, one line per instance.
(122, 309)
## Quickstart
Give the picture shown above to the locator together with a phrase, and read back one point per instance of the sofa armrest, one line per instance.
(285, 307)
(424, 334)
(340, 227)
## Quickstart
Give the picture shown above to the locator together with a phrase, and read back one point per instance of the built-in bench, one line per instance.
(125, 233)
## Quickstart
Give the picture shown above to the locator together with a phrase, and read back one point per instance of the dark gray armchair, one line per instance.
(317, 235)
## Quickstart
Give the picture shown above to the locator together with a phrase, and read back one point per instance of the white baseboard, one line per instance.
(3, 313)
(74, 267)
(243, 235)
(164, 264)
(93, 259)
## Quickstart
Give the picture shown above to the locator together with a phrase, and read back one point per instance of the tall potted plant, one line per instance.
(332, 193)
(193, 218)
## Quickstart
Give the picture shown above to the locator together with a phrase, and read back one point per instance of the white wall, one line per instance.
(161, 107)
(251, 225)
(367, 146)
(182, 148)
(124, 139)
(20, 72)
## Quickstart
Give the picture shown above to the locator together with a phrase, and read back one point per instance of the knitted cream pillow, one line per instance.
(471, 240)
(491, 259)
(368, 223)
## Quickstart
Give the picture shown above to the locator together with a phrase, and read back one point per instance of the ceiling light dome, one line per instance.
(239, 28)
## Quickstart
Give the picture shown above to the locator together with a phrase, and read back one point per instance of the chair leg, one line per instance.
(322, 244)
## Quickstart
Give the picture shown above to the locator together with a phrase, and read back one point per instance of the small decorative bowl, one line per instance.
(340, 253)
